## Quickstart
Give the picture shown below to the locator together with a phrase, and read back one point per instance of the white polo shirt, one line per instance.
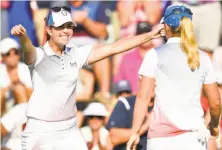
(54, 82)
(177, 89)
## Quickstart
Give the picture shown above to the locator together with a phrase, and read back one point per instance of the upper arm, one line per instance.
(147, 75)
(99, 52)
(210, 87)
(118, 118)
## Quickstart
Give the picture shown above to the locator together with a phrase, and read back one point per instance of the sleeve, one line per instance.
(149, 64)
(211, 76)
(118, 118)
(39, 57)
(83, 54)
(25, 76)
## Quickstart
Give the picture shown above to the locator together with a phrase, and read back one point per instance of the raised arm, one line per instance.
(26, 44)
(103, 51)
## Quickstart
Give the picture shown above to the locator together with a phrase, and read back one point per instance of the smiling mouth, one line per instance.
(64, 37)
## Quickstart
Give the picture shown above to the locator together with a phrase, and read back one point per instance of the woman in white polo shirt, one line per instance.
(178, 71)
(54, 69)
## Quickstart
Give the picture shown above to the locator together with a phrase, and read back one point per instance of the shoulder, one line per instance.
(151, 55)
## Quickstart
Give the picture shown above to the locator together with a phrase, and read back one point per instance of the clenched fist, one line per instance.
(158, 31)
(18, 30)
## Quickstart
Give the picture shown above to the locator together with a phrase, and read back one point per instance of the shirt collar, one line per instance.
(50, 52)
(174, 40)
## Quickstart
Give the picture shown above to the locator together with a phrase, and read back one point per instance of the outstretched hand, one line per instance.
(18, 30)
(158, 31)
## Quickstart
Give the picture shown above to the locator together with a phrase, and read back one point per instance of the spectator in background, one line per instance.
(207, 30)
(12, 125)
(15, 80)
(138, 11)
(123, 89)
(20, 12)
(130, 72)
(120, 124)
(91, 28)
(96, 136)
(4, 18)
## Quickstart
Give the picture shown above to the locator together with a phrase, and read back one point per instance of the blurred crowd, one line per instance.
(106, 91)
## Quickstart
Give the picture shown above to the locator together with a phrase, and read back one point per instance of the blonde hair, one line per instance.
(188, 43)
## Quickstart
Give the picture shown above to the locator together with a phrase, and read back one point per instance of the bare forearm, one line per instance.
(215, 111)
(214, 101)
(120, 135)
(28, 49)
(97, 29)
(140, 111)
(145, 126)
(130, 43)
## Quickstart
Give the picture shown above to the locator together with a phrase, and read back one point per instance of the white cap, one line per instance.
(95, 109)
(59, 18)
(7, 44)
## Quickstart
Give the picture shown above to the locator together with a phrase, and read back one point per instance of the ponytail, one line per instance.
(189, 44)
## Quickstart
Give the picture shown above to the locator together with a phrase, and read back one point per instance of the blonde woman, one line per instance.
(179, 71)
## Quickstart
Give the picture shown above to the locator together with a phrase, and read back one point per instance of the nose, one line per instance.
(65, 30)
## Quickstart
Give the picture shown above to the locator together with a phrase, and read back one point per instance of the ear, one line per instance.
(49, 30)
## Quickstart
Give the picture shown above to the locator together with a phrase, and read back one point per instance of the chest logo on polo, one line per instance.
(72, 64)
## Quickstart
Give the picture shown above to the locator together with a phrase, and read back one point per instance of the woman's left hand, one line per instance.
(133, 141)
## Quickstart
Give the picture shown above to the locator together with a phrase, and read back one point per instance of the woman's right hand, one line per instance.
(214, 131)
(18, 30)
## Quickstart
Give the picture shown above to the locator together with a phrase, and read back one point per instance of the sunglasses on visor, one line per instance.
(58, 9)
(98, 117)
(178, 11)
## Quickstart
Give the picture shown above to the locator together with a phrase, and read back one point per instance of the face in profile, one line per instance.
(61, 35)
(95, 122)
(11, 59)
